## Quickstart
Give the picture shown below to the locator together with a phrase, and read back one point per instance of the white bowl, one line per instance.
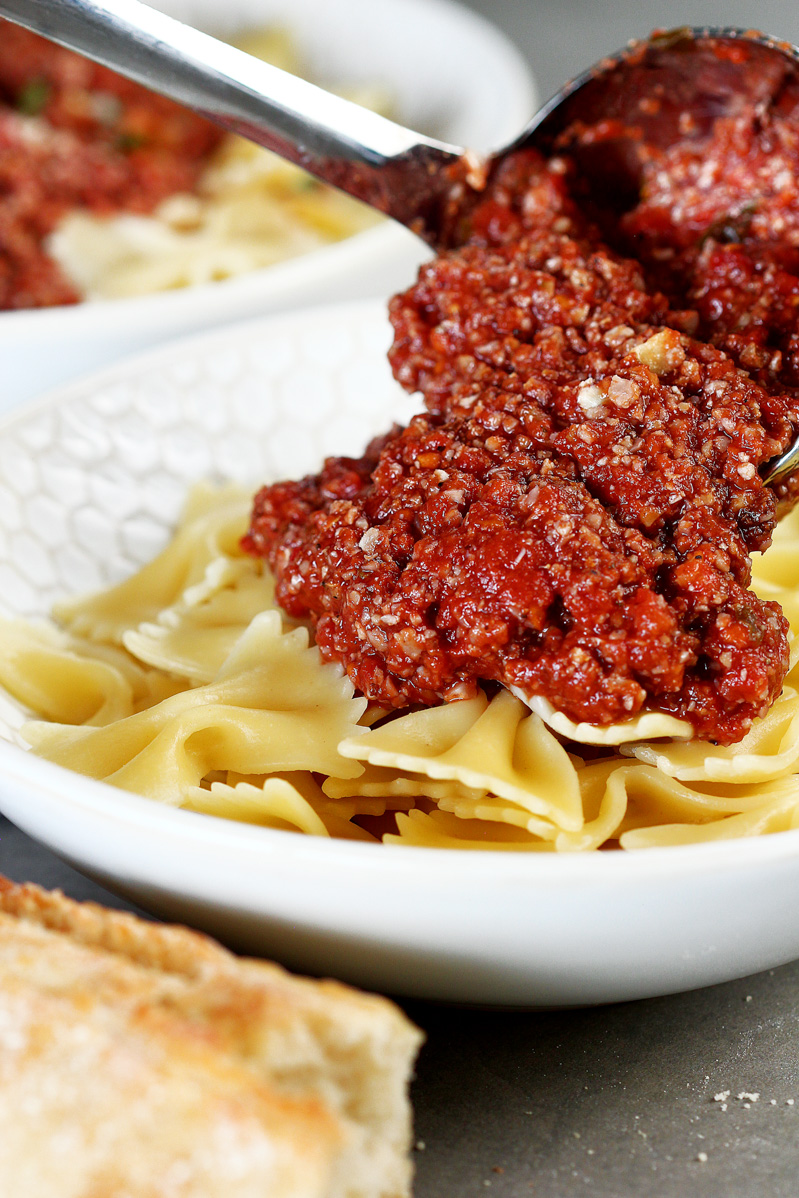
(451, 74)
(90, 482)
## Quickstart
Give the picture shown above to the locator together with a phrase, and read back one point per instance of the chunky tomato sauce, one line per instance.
(574, 513)
(76, 135)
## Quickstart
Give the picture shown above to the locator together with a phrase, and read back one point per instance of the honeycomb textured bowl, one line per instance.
(91, 484)
(91, 481)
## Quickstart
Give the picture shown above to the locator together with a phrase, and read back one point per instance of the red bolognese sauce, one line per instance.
(574, 513)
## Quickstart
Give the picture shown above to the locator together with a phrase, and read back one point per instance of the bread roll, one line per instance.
(139, 1060)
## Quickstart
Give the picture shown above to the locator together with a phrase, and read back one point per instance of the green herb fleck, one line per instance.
(32, 98)
(130, 141)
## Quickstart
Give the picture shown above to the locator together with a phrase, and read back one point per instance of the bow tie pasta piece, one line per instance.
(497, 811)
(237, 579)
(780, 813)
(376, 782)
(402, 792)
(72, 681)
(647, 725)
(273, 708)
(276, 803)
(290, 802)
(442, 830)
(193, 638)
(662, 810)
(496, 747)
(604, 804)
(769, 750)
(211, 527)
(374, 713)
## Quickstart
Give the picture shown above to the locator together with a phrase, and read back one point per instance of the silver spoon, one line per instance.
(425, 184)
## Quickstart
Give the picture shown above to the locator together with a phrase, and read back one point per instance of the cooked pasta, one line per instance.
(250, 209)
(186, 684)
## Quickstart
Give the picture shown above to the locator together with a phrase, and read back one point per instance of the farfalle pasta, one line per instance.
(272, 707)
(186, 684)
(498, 747)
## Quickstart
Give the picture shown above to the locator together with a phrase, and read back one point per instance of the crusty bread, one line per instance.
(139, 1060)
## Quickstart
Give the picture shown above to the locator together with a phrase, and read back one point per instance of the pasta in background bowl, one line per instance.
(478, 94)
(93, 483)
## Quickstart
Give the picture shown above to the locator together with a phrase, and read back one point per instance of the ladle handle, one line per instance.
(364, 154)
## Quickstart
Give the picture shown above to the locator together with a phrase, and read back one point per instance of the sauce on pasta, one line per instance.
(574, 514)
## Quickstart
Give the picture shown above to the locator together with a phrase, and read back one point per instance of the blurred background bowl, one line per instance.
(449, 74)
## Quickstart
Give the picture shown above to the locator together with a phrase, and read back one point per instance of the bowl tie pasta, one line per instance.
(185, 683)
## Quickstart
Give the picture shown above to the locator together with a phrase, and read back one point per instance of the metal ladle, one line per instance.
(418, 181)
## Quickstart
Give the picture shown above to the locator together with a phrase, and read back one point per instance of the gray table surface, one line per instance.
(612, 1102)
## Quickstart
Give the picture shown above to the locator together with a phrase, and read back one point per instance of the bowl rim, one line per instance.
(108, 315)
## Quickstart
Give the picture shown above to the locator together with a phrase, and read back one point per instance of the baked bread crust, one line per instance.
(140, 1060)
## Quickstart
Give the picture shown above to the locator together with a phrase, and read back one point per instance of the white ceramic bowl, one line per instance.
(90, 482)
(451, 74)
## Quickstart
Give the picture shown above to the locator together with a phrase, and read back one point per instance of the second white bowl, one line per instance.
(450, 73)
